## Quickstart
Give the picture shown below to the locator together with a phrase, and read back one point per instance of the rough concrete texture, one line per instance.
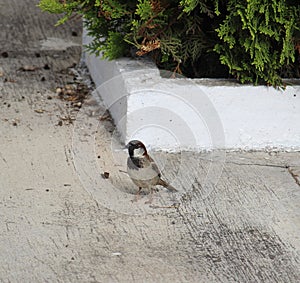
(236, 217)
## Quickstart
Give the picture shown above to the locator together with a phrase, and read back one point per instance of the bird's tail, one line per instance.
(166, 185)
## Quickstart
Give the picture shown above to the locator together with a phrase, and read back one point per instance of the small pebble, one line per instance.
(58, 90)
(106, 175)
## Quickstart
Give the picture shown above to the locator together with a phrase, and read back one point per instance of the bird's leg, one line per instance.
(151, 196)
(137, 196)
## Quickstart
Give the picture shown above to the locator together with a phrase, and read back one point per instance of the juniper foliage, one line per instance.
(255, 41)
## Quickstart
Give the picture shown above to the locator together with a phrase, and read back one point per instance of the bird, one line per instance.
(143, 170)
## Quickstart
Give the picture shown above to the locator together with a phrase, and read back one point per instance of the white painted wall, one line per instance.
(186, 114)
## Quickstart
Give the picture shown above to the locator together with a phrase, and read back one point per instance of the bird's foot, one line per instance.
(150, 200)
(137, 196)
(136, 199)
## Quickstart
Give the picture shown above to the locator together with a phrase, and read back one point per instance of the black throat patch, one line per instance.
(131, 151)
(136, 163)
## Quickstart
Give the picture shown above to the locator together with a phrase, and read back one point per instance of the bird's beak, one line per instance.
(127, 146)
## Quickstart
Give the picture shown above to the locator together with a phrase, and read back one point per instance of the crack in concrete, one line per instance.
(289, 168)
(286, 166)
(259, 164)
(295, 176)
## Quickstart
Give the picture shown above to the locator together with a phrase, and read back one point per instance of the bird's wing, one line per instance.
(155, 168)
(153, 165)
(160, 182)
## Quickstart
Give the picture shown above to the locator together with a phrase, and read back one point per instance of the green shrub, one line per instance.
(258, 39)
(255, 41)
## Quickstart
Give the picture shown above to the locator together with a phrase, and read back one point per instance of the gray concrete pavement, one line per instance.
(236, 217)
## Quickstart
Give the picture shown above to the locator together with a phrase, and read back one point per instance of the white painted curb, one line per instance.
(198, 114)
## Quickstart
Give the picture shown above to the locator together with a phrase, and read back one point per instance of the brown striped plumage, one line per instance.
(142, 169)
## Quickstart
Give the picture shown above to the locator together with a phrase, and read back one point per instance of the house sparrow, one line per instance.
(142, 169)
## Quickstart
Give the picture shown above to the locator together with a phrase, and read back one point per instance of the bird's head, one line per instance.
(136, 148)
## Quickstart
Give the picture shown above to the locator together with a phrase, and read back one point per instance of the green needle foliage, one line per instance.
(256, 41)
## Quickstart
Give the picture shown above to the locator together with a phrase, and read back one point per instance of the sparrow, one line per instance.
(142, 169)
